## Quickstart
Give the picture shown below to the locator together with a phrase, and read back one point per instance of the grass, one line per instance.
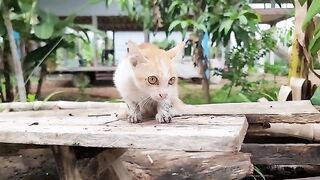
(192, 94)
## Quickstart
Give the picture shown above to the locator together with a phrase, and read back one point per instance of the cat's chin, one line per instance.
(159, 100)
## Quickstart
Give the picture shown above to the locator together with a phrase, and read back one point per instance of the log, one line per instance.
(283, 154)
(187, 165)
(66, 165)
(308, 178)
(73, 163)
(299, 118)
(310, 132)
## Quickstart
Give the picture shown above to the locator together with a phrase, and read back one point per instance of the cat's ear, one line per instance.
(177, 52)
(135, 54)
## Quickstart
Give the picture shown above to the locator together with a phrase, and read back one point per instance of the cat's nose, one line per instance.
(163, 95)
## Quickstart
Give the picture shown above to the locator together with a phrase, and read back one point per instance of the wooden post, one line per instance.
(146, 36)
(94, 42)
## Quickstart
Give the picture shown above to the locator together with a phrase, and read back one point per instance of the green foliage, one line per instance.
(228, 17)
(241, 57)
(279, 68)
(51, 95)
(285, 35)
(315, 99)
(251, 93)
(313, 10)
(31, 98)
(258, 171)
(165, 44)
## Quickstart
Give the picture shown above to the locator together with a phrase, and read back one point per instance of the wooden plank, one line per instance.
(283, 154)
(300, 118)
(270, 108)
(190, 133)
(257, 113)
(182, 165)
(308, 178)
(301, 112)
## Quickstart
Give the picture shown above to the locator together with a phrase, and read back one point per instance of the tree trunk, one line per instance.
(7, 79)
(198, 56)
(205, 80)
(40, 82)
(198, 59)
(1, 75)
(14, 53)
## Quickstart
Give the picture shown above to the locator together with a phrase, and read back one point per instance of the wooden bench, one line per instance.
(87, 139)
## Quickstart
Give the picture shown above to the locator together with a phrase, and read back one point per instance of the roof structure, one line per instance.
(112, 18)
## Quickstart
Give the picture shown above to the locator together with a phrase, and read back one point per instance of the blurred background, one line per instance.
(237, 51)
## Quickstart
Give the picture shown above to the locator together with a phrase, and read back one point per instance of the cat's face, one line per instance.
(154, 70)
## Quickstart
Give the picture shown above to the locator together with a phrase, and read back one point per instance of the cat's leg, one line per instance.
(133, 113)
(164, 114)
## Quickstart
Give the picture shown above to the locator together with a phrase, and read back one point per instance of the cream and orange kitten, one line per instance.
(147, 81)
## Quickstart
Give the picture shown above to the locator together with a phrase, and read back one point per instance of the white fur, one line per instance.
(141, 101)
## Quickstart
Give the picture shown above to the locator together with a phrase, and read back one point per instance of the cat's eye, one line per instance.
(172, 81)
(153, 80)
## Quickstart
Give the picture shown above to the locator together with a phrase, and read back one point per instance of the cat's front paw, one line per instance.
(134, 117)
(164, 117)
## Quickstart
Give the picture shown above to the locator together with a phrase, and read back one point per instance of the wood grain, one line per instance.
(283, 154)
(190, 133)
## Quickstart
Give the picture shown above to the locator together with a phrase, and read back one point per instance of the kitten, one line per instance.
(147, 81)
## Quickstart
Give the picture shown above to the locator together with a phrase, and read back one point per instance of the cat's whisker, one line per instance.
(139, 104)
(146, 102)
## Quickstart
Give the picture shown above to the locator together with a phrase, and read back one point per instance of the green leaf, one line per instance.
(226, 26)
(59, 28)
(184, 24)
(302, 2)
(89, 27)
(173, 25)
(2, 27)
(312, 11)
(316, 29)
(97, 1)
(315, 99)
(39, 53)
(257, 170)
(51, 95)
(200, 27)
(243, 20)
(172, 6)
(46, 17)
(44, 30)
(314, 44)
(26, 5)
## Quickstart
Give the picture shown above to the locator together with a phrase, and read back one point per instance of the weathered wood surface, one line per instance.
(301, 112)
(181, 165)
(76, 165)
(84, 128)
(55, 105)
(256, 113)
(308, 178)
(283, 154)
